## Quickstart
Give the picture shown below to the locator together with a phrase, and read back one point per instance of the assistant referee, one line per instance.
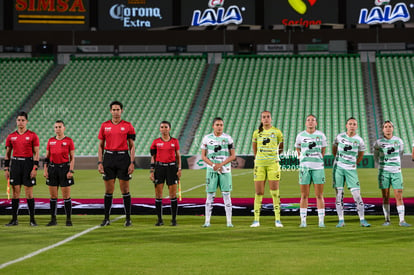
(23, 167)
(116, 154)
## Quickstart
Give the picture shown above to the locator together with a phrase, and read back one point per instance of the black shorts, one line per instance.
(20, 170)
(166, 173)
(58, 175)
(116, 165)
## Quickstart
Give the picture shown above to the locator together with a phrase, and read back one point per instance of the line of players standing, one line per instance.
(116, 160)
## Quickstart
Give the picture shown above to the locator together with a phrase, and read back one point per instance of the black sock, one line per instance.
(53, 208)
(108, 205)
(15, 208)
(127, 205)
(174, 209)
(31, 206)
(158, 208)
(68, 208)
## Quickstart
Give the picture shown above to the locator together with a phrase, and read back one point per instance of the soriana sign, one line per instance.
(300, 12)
(51, 14)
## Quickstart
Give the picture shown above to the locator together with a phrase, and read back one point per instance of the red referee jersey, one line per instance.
(116, 135)
(22, 145)
(165, 149)
(59, 149)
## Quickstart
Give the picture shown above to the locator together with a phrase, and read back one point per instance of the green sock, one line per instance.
(257, 206)
(276, 203)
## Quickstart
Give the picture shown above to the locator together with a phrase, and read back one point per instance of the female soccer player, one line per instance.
(267, 145)
(58, 171)
(23, 168)
(116, 139)
(310, 145)
(165, 167)
(348, 150)
(388, 152)
(217, 151)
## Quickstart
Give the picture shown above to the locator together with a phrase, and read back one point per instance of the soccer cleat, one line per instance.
(12, 223)
(404, 224)
(341, 223)
(105, 222)
(207, 224)
(303, 225)
(364, 223)
(173, 223)
(322, 225)
(278, 223)
(52, 223)
(255, 224)
(33, 223)
(386, 223)
(127, 223)
(68, 223)
(230, 225)
(159, 223)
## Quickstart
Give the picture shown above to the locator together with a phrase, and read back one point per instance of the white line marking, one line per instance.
(28, 256)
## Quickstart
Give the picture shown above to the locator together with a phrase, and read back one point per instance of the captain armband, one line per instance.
(131, 136)
(7, 163)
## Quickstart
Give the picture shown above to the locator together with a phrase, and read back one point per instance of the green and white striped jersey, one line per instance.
(218, 149)
(310, 146)
(348, 149)
(388, 153)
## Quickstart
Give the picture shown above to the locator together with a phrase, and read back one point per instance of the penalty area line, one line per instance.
(28, 256)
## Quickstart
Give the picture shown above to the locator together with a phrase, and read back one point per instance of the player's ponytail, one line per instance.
(261, 127)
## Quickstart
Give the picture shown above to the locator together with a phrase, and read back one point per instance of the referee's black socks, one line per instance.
(53, 209)
(158, 208)
(107, 205)
(68, 208)
(15, 208)
(127, 205)
(174, 209)
(31, 206)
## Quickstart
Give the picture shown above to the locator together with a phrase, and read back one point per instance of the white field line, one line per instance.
(28, 256)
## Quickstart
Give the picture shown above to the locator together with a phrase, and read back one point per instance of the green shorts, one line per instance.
(271, 172)
(215, 180)
(387, 179)
(307, 176)
(340, 176)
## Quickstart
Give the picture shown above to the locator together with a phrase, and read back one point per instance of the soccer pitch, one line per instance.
(188, 248)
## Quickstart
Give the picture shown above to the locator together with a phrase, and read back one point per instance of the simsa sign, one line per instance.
(217, 12)
(51, 14)
(379, 11)
(134, 14)
(301, 12)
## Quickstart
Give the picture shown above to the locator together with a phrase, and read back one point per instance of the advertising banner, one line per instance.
(300, 12)
(379, 11)
(217, 12)
(51, 14)
(134, 14)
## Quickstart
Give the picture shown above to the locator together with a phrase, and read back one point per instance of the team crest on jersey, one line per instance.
(272, 135)
(27, 138)
(122, 128)
(318, 138)
(108, 129)
(64, 144)
(223, 142)
(355, 143)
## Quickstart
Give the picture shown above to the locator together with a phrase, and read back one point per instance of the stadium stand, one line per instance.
(291, 87)
(395, 75)
(81, 94)
(18, 78)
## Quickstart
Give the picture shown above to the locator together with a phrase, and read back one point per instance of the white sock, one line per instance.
(209, 206)
(386, 210)
(401, 212)
(356, 193)
(227, 206)
(321, 215)
(303, 214)
(339, 202)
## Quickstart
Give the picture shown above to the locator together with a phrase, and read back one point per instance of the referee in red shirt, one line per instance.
(23, 167)
(165, 166)
(116, 155)
(58, 171)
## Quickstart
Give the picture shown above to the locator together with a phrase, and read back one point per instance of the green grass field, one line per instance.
(190, 249)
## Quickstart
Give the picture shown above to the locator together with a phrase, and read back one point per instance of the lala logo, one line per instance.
(384, 13)
(299, 5)
(221, 16)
